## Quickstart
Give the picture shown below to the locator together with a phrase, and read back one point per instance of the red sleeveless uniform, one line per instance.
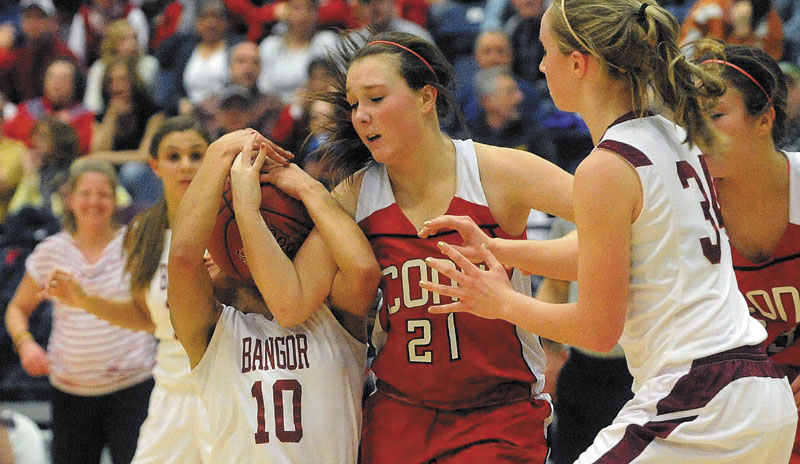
(476, 378)
(772, 290)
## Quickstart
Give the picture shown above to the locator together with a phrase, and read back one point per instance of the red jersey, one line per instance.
(771, 287)
(447, 359)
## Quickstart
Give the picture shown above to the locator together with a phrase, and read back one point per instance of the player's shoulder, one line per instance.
(347, 192)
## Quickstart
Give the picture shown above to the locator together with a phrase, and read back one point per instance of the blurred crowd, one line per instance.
(95, 79)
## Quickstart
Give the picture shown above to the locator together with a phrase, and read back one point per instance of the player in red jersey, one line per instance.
(449, 388)
(759, 192)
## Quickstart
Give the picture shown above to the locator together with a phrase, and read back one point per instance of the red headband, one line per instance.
(731, 65)
(424, 61)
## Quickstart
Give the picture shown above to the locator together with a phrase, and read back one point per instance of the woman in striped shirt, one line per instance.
(102, 374)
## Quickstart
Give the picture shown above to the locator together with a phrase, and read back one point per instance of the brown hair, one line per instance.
(144, 239)
(78, 168)
(762, 84)
(420, 63)
(637, 41)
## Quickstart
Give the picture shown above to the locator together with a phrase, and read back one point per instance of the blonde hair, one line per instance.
(637, 41)
(113, 34)
(77, 169)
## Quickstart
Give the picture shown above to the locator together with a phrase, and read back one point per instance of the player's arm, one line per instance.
(130, 313)
(516, 182)
(295, 289)
(356, 281)
(596, 320)
(193, 309)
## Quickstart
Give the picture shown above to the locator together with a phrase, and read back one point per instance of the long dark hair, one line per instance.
(144, 240)
(343, 153)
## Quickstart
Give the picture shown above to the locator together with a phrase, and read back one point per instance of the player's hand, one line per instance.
(480, 292)
(473, 237)
(33, 358)
(292, 180)
(245, 172)
(65, 287)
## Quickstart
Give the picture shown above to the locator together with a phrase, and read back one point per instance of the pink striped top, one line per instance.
(90, 356)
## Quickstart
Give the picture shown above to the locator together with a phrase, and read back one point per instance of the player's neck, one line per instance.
(432, 162)
(755, 205)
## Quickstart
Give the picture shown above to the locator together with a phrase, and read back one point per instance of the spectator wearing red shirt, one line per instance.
(61, 82)
(24, 59)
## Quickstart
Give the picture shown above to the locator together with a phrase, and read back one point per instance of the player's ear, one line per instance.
(428, 95)
(766, 120)
(579, 62)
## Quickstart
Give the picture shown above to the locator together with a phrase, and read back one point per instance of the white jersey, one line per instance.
(172, 363)
(683, 301)
(176, 429)
(282, 395)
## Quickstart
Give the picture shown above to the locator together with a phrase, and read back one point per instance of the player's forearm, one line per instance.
(273, 272)
(350, 249)
(571, 323)
(557, 259)
(197, 212)
(123, 313)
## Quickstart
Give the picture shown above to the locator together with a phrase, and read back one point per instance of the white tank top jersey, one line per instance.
(282, 395)
(683, 301)
(172, 363)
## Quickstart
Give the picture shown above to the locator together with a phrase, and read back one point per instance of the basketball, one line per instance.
(285, 217)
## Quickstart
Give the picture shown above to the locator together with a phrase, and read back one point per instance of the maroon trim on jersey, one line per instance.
(694, 390)
(629, 116)
(488, 228)
(631, 154)
(758, 267)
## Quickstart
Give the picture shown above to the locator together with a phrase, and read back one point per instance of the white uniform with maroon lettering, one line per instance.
(688, 338)
(176, 429)
(282, 395)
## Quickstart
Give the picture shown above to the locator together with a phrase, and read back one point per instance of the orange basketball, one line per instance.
(285, 217)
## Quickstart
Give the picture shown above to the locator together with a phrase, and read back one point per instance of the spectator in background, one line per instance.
(381, 16)
(791, 139)
(168, 17)
(523, 31)
(130, 113)
(285, 55)
(90, 22)
(259, 16)
(492, 48)
(11, 167)
(23, 60)
(292, 128)
(499, 121)
(240, 104)
(746, 22)
(62, 87)
(118, 41)
(206, 70)
(789, 11)
(102, 374)
(45, 166)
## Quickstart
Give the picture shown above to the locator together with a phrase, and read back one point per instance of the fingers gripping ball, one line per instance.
(285, 217)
